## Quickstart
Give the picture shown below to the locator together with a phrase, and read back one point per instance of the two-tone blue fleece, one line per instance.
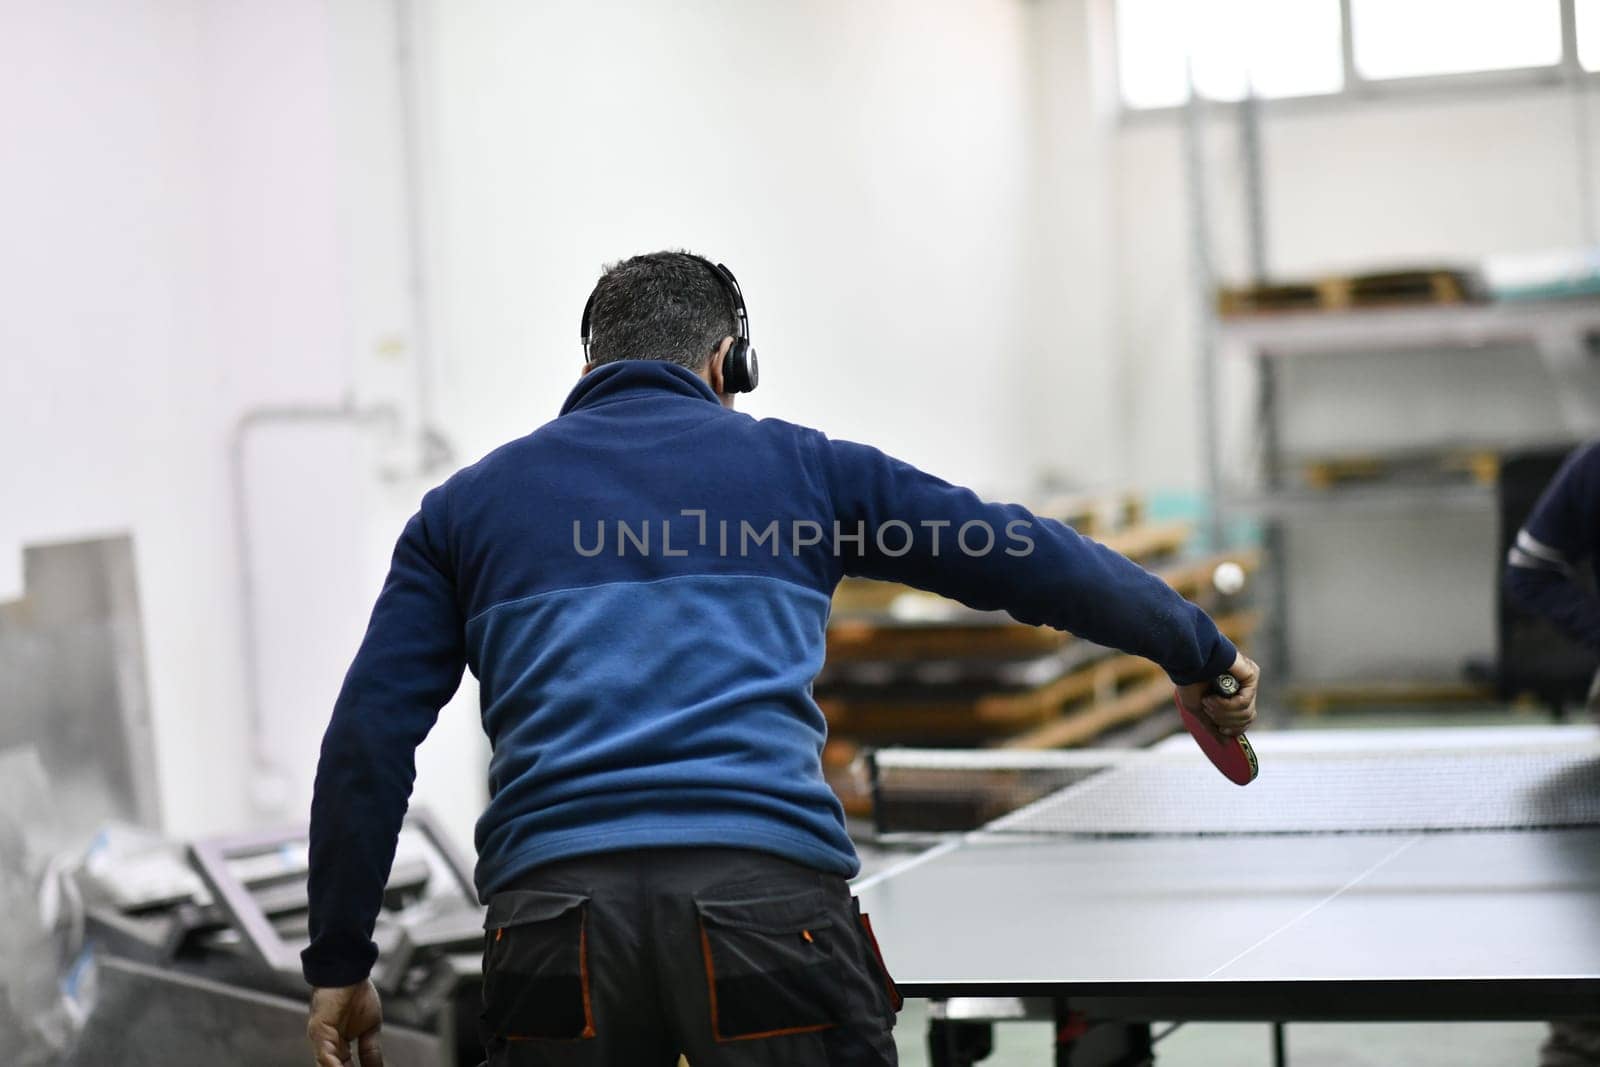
(645, 637)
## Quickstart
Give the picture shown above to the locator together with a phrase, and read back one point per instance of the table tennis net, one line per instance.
(1178, 794)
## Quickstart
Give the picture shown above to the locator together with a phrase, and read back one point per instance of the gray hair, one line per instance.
(668, 306)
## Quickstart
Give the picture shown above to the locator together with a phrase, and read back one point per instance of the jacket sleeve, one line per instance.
(407, 668)
(927, 533)
(1542, 573)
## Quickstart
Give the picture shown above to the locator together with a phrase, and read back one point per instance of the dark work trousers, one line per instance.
(730, 957)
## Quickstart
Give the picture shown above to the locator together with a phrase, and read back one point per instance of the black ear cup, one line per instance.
(741, 372)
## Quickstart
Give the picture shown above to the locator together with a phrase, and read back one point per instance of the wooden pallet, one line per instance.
(1096, 514)
(1480, 466)
(874, 639)
(956, 714)
(1083, 725)
(845, 774)
(1120, 697)
(858, 640)
(958, 799)
(1344, 292)
(1149, 542)
(1192, 580)
(1145, 543)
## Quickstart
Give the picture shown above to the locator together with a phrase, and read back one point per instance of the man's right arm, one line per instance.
(409, 664)
(1002, 556)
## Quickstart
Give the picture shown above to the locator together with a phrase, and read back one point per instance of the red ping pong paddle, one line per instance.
(1233, 756)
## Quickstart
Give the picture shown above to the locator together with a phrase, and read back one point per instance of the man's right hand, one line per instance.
(1233, 715)
(340, 1016)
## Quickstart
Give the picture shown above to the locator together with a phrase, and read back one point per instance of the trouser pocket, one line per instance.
(771, 965)
(896, 1002)
(536, 967)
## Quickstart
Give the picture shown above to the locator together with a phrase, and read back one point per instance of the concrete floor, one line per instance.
(1308, 1044)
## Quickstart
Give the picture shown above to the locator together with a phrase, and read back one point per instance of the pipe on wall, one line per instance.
(434, 451)
(267, 787)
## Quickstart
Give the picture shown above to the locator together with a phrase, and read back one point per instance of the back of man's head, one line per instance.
(669, 306)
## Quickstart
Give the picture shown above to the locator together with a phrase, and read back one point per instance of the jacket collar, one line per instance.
(635, 377)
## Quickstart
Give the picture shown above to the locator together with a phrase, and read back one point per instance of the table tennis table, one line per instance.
(1445, 874)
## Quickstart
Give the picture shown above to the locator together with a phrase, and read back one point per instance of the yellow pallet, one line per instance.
(1343, 292)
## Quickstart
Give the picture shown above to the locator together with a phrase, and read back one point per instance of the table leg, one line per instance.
(1083, 1042)
(959, 1043)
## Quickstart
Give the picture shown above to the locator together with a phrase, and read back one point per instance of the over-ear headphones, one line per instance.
(741, 372)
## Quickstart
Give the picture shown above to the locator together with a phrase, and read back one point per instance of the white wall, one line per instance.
(180, 251)
(865, 169)
(159, 265)
(1066, 384)
(206, 215)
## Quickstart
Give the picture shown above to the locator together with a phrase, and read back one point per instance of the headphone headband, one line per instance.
(730, 285)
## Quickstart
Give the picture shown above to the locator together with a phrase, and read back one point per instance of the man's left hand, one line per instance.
(340, 1016)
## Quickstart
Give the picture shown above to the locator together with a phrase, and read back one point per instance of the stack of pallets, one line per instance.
(908, 667)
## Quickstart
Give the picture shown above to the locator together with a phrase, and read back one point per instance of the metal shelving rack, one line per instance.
(1565, 333)
(1562, 331)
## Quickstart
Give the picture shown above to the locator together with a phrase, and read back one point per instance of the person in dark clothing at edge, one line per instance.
(641, 587)
(1543, 577)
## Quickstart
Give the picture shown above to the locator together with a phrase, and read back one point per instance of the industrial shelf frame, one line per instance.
(1565, 332)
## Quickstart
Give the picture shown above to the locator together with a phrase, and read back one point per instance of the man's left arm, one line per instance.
(408, 667)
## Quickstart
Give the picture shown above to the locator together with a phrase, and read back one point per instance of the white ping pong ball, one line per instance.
(1228, 578)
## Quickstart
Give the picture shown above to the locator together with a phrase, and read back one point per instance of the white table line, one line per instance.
(905, 865)
(1358, 879)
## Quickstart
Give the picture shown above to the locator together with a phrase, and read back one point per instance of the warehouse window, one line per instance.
(1277, 47)
(1588, 12)
(1285, 48)
(1411, 38)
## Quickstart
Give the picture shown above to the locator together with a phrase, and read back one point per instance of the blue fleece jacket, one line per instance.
(641, 588)
(1562, 532)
